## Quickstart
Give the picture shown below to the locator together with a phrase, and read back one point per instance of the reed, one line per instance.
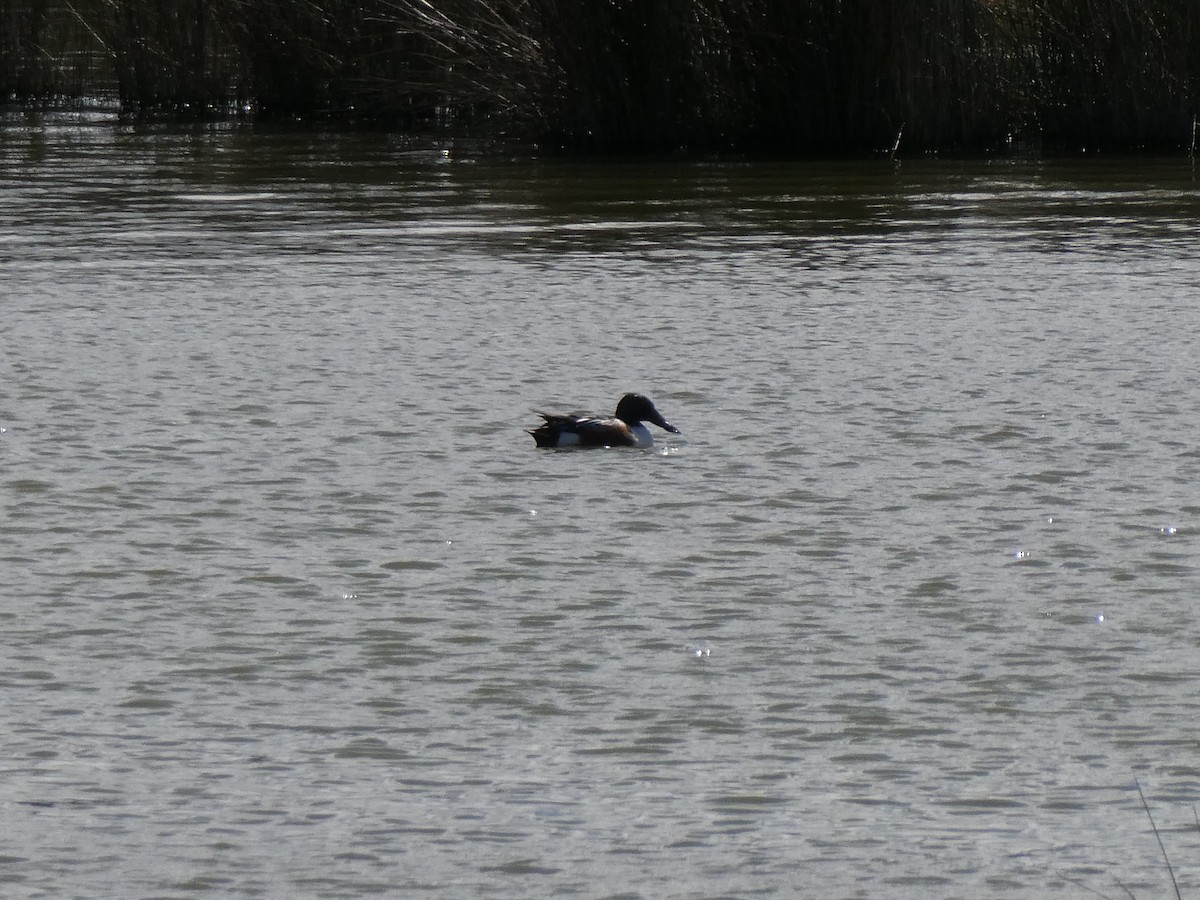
(1158, 837)
(1116, 73)
(164, 55)
(46, 53)
(639, 75)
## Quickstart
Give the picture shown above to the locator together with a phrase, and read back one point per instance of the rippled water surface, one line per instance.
(293, 607)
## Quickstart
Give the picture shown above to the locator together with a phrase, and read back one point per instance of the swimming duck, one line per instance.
(624, 429)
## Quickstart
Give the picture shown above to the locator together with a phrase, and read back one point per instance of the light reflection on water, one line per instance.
(293, 606)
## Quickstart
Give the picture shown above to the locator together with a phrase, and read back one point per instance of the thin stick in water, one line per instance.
(1157, 837)
(1092, 890)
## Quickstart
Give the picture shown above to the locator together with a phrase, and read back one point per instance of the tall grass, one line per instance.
(46, 52)
(795, 75)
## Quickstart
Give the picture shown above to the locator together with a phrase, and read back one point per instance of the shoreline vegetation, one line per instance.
(845, 77)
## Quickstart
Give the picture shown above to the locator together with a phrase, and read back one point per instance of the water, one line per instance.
(292, 607)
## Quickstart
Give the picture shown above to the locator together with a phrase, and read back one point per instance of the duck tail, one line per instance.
(544, 435)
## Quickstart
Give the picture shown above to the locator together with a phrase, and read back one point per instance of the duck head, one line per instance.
(635, 408)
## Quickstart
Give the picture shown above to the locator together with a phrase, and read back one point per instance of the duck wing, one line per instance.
(594, 431)
(582, 431)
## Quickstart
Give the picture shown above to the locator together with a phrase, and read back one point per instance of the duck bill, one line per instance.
(664, 424)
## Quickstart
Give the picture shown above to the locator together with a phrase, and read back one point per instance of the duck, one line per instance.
(626, 428)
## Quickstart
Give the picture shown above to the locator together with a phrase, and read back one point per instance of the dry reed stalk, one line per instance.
(1158, 837)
